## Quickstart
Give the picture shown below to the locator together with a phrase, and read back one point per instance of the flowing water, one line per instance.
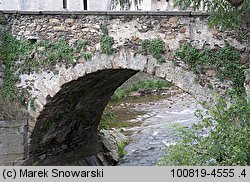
(148, 122)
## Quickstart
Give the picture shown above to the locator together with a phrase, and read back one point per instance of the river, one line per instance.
(149, 121)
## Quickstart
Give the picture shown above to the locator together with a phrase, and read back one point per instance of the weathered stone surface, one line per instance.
(182, 30)
(245, 58)
(151, 65)
(59, 28)
(12, 139)
(173, 19)
(69, 21)
(54, 21)
(110, 140)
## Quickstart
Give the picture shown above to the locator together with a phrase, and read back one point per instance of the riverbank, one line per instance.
(154, 132)
(147, 122)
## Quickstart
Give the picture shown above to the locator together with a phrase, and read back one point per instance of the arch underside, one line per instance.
(66, 130)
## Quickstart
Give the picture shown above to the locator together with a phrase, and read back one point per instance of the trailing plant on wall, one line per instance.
(226, 61)
(25, 57)
(155, 47)
(107, 42)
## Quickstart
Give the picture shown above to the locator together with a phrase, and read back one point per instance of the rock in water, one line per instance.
(110, 140)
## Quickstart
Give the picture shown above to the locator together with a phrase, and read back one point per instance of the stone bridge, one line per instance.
(69, 99)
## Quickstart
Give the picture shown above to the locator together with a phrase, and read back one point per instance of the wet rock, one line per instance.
(110, 140)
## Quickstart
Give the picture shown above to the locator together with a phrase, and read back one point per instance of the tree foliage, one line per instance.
(219, 140)
(124, 4)
(225, 13)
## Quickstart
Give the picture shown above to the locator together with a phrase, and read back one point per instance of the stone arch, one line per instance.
(69, 105)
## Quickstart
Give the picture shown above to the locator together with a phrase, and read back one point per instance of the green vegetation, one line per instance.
(155, 47)
(225, 61)
(19, 57)
(224, 13)
(87, 55)
(107, 42)
(108, 116)
(121, 148)
(32, 101)
(80, 44)
(223, 138)
(48, 125)
(106, 119)
(3, 20)
(226, 142)
(11, 51)
(26, 57)
(124, 4)
(59, 51)
(73, 16)
(145, 84)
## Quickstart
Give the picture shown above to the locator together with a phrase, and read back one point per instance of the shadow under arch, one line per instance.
(66, 130)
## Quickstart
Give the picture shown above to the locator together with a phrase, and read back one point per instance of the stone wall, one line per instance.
(13, 140)
(128, 31)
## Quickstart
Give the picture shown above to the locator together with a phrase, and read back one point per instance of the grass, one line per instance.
(144, 84)
(121, 148)
(155, 47)
(106, 41)
(106, 120)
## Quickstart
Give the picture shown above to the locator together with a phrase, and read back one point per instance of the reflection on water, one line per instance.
(149, 129)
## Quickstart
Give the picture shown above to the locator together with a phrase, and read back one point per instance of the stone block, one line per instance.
(102, 61)
(160, 71)
(38, 105)
(54, 21)
(120, 60)
(151, 63)
(137, 62)
(69, 21)
(182, 30)
(78, 71)
(173, 20)
(59, 28)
